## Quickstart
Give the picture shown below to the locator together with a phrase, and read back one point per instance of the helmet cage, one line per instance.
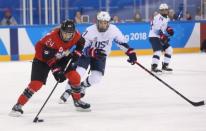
(103, 21)
(67, 30)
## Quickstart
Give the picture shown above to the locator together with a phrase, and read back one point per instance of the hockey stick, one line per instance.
(200, 103)
(36, 119)
(180, 14)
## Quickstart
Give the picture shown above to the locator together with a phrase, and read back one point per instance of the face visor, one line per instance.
(164, 12)
(102, 25)
(66, 36)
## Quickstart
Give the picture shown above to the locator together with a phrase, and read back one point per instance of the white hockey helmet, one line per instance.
(163, 6)
(103, 16)
(164, 10)
(103, 21)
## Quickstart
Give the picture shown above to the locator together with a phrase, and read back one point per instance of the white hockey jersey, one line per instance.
(158, 23)
(103, 40)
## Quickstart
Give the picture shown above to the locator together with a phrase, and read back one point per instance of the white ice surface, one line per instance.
(127, 99)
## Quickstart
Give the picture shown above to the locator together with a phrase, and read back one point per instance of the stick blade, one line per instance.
(35, 119)
(200, 103)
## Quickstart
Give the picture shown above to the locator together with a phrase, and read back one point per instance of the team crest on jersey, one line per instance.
(101, 44)
(60, 53)
(61, 49)
(49, 42)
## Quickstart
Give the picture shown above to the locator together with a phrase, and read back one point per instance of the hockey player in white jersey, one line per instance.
(159, 38)
(99, 38)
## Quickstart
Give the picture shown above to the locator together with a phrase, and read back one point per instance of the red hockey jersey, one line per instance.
(53, 41)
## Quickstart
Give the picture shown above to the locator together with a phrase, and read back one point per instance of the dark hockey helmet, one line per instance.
(67, 30)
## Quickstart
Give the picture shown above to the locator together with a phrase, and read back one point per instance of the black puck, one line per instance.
(40, 120)
(36, 119)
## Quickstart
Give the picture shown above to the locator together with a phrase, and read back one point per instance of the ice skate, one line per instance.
(16, 111)
(64, 97)
(166, 69)
(82, 106)
(155, 70)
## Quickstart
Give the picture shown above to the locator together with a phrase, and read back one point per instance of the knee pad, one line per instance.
(169, 50)
(74, 78)
(82, 71)
(95, 77)
(34, 86)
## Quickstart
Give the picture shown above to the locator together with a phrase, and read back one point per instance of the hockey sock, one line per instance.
(76, 92)
(33, 87)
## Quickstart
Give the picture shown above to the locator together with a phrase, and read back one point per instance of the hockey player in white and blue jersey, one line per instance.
(159, 38)
(99, 38)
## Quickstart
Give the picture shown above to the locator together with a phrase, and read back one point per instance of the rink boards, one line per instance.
(17, 43)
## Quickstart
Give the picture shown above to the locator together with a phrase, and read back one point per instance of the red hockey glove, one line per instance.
(95, 53)
(164, 38)
(170, 31)
(132, 56)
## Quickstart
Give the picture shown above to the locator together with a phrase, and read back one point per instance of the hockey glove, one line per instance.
(58, 74)
(170, 31)
(132, 56)
(95, 53)
(76, 55)
(164, 38)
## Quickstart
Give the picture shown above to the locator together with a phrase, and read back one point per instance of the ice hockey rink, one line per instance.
(127, 99)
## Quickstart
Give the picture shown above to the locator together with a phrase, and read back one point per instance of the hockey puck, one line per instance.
(40, 120)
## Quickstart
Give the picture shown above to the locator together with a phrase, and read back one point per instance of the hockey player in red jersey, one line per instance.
(51, 53)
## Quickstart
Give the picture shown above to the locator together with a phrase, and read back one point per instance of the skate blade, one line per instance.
(157, 73)
(15, 114)
(61, 101)
(83, 110)
(167, 72)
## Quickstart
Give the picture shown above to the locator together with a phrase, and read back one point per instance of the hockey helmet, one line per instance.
(164, 9)
(103, 20)
(163, 6)
(67, 30)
